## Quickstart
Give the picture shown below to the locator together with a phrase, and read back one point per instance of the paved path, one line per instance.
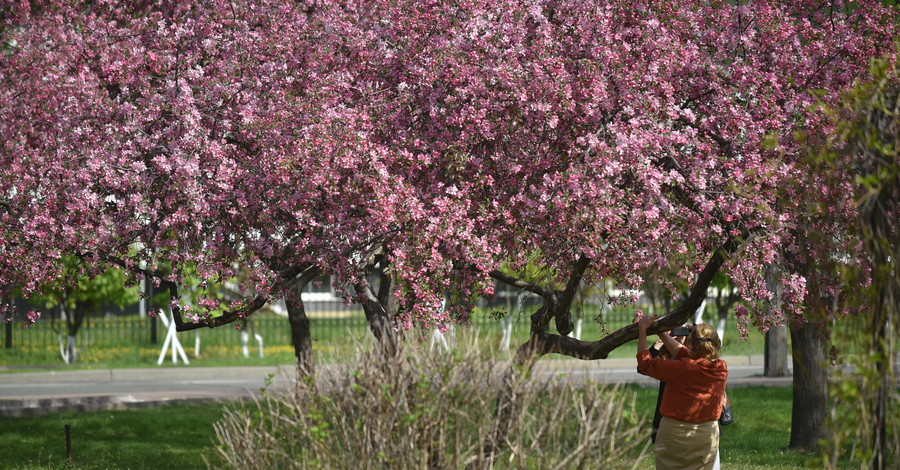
(34, 393)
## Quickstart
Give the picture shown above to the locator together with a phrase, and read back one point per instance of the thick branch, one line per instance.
(557, 304)
(306, 275)
(542, 344)
(230, 316)
(515, 282)
(563, 312)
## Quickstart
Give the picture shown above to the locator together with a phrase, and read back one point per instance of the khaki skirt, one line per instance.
(681, 445)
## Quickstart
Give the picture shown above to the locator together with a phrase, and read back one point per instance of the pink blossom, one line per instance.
(31, 317)
(456, 139)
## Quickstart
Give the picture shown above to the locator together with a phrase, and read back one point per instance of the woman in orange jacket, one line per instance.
(688, 435)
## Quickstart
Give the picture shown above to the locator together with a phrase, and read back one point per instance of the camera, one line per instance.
(681, 331)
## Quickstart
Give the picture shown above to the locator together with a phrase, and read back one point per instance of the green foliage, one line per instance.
(77, 287)
(722, 281)
(864, 390)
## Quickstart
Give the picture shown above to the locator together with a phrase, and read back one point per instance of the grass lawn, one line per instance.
(148, 438)
(177, 436)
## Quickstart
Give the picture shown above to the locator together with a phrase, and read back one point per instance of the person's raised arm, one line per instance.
(643, 324)
(672, 344)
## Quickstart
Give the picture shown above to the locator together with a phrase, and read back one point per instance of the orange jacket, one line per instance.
(695, 388)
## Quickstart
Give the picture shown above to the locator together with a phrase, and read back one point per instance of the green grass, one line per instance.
(177, 436)
(172, 436)
(760, 435)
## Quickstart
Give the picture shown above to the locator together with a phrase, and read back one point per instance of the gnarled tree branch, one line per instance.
(542, 344)
(518, 283)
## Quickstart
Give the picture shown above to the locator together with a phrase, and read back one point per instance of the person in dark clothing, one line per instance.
(659, 350)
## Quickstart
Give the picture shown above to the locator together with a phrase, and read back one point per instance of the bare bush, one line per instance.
(429, 411)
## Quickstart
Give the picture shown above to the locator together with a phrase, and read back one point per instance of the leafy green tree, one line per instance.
(79, 293)
(869, 145)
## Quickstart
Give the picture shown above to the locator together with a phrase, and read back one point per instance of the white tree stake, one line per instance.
(507, 324)
(577, 332)
(437, 338)
(63, 350)
(171, 339)
(245, 338)
(259, 340)
(698, 316)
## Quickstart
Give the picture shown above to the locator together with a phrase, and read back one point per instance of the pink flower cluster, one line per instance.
(214, 140)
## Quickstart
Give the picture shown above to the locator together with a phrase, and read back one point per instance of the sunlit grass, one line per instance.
(172, 436)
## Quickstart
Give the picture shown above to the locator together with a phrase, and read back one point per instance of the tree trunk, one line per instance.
(301, 336)
(379, 322)
(776, 352)
(776, 337)
(71, 349)
(810, 401)
(74, 321)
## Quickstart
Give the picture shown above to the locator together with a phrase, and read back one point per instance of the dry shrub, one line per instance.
(429, 411)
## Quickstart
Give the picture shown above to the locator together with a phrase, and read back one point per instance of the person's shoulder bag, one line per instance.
(727, 417)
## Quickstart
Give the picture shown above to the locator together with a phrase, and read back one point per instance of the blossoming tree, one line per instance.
(446, 144)
(161, 137)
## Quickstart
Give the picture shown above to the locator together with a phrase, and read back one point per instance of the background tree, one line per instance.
(837, 225)
(78, 293)
(867, 145)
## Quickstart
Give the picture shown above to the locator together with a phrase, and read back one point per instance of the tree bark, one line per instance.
(301, 337)
(776, 352)
(74, 320)
(380, 323)
(810, 400)
(776, 338)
